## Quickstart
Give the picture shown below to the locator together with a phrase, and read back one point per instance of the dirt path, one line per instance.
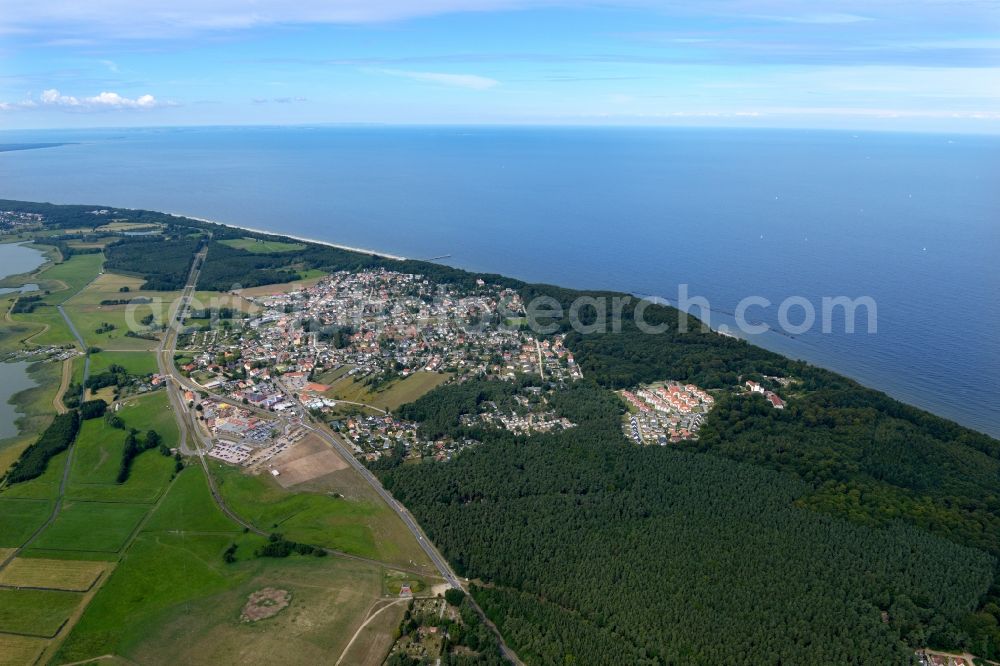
(67, 376)
(365, 624)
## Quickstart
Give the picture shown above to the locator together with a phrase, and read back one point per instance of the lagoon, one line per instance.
(17, 258)
(14, 378)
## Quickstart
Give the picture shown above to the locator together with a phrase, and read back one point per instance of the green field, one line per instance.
(45, 326)
(173, 600)
(35, 612)
(88, 314)
(97, 461)
(189, 507)
(135, 362)
(19, 518)
(330, 376)
(151, 411)
(359, 522)
(306, 517)
(51, 574)
(93, 526)
(262, 246)
(45, 486)
(73, 274)
(98, 453)
(18, 650)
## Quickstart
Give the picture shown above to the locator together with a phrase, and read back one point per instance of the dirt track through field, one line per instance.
(365, 624)
(67, 376)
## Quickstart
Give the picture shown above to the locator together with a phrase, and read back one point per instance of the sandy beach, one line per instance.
(361, 250)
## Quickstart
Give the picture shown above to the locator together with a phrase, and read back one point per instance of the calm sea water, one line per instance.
(913, 221)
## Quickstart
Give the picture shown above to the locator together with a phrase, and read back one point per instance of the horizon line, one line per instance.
(513, 125)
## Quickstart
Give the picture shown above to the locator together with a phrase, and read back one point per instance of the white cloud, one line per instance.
(52, 98)
(470, 81)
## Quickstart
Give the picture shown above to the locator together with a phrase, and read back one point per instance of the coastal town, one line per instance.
(338, 348)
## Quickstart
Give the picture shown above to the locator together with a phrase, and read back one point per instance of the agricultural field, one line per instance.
(97, 459)
(359, 524)
(189, 507)
(330, 376)
(68, 277)
(98, 452)
(311, 459)
(36, 612)
(91, 318)
(135, 363)
(129, 226)
(173, 599)
(390, 398)
(20, 650)
(67, 575)
(45, 486)
(221, 299)
(91, 526)
(262, 246)
(375, 639)
(191, 602)
(151, 411)
(45, 326)
(309, 278)
(19, 518)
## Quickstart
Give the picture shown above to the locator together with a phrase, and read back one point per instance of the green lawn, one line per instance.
(35, 612)
(91, 526)
(135, 362)
(19, 518)
(259, 246)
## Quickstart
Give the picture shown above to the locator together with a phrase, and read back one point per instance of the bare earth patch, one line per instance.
(265, 603)
(307, 460)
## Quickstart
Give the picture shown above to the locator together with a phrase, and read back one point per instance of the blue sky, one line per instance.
(930, 65)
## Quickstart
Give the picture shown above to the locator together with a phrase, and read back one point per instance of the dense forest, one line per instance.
(229, 267)
(164, 261)
(603, 552)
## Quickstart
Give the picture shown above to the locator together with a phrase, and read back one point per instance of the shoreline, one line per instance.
(360, 250)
